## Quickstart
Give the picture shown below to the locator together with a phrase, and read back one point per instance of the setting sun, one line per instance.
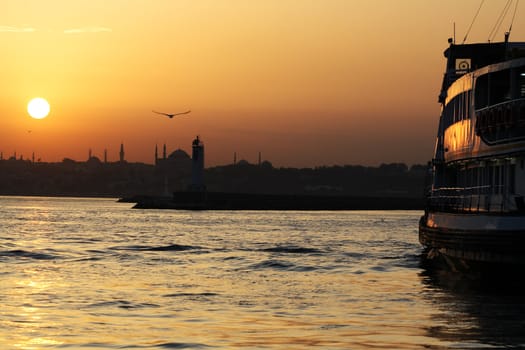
(38, 108)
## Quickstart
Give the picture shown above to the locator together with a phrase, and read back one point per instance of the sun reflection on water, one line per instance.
(27, 311)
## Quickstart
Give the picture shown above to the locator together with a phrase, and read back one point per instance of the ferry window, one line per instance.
(489, 176)
(448, 115)
(521, 82)
(468, 99)
(512, 179)
(503, 178)
(496, 179)
(461, 115)
(499, 89)
(457, 108)
(481, 93)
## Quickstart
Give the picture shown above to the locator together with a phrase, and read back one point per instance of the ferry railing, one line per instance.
(472, 199)
(503, 121)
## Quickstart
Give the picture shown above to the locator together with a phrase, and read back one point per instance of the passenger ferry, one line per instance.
(475, 202)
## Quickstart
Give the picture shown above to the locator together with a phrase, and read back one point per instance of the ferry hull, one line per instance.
(473, 248)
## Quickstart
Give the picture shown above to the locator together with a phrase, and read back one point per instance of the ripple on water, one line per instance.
(122, 304)
(182, 346)
(154, 248)
(291, 249)
(24, 254)
(280, 265)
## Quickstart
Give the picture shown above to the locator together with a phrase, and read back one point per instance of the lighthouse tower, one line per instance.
(197, 168)
(121, 153)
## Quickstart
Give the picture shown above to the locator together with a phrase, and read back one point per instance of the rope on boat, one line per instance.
(513, 16)
(473, 20)
(501, 17)
(499, 21)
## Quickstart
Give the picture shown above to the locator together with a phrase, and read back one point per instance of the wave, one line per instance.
(20, 253)
(100, 345)
(171, 247)
(280, 265)
(292, 249)
(185, 295)
(122, 304)
(182, 346)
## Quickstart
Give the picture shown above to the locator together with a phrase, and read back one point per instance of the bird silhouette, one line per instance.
(171, 115)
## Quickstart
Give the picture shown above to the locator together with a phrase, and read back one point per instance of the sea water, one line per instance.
(96, 274)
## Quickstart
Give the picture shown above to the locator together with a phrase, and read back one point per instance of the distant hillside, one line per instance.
(386, 180)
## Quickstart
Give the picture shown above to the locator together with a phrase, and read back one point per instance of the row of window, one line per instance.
(490, 89)
(458, 108)
(490, 179)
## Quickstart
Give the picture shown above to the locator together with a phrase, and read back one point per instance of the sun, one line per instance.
(38, 108)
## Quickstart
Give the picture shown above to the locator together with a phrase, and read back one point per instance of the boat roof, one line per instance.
(465, 58)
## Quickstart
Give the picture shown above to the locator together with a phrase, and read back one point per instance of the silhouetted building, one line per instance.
(180, 172)
(121, 154)
(197, 169)
(173, 171)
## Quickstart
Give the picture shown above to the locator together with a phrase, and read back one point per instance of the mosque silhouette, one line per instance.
(180, 178)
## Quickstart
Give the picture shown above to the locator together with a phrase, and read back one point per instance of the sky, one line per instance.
(306, 83)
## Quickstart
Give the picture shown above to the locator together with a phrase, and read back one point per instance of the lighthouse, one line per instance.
(197, 168)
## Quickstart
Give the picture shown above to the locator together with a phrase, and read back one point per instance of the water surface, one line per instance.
(95, 274)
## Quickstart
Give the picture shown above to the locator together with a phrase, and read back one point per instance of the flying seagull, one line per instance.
(171, 115)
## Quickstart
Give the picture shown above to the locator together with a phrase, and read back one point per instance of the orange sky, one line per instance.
(305, 82)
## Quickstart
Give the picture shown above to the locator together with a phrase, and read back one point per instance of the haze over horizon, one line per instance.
(306, 83)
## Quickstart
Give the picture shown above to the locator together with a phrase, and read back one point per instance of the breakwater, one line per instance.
(251, 201)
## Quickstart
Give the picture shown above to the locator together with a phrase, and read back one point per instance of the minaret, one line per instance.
(89, 154)
(105, 155)
(164, 152)
(122, 153)
(33, 157)
(156, 154)
(197, 170)
(259, 159)
(234, 158)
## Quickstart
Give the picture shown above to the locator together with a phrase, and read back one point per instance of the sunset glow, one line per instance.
(306, 83)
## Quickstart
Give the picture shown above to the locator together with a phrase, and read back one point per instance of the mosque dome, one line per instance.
(179, 154)
(94, 160)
